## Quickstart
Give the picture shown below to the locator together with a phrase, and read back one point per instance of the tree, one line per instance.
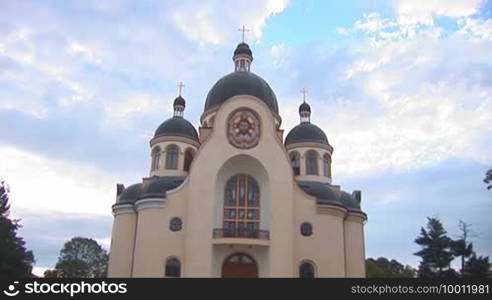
(488, 179)
(383, 268)
(477, 267)
(436, 251)
(15, 260)
(461, 247)
(81, 258)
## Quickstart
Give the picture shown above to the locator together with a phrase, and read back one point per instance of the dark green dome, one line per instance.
(177, 126)
(157, 186)
(304, 107)
(130, 194)
(241, 83)
(243, 48)
(306, 132)
(179, 101)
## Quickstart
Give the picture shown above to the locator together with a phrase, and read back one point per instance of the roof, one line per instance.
(179, 101)
(304, 107)
(157, 186)
(325, 193)
(154, 187)
(241, 83)
(306, 132)
(177, 126)
(243, 48)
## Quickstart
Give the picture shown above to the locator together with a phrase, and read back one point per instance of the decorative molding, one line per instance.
(181, 139)
(332, 210)
(121, 209)
(356, 217)
(149, 203)
(310, 145)
(243, 128)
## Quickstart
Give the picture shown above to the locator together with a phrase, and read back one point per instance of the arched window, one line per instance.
(188, 159)
(156, 158)
(306, 270)
(326, 165)
(241, 207)
(312, 162)
(172, 153)
(173, 268)
(294, 162)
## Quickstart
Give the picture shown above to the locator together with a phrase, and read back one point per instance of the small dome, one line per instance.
(179, 101)
(306, 132)
(177, 126)
(130, 194)
(243, 48)
(241, 83)
(304, 107)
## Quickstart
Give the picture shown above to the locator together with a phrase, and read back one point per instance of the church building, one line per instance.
(236, 198)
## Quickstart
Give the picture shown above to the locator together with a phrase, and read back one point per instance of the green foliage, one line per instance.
(81, 258)
(488, 179)
(15, 260)
(477, 267)
(436, 250)
(383, 268)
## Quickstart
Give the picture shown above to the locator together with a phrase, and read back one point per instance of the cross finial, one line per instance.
(243, 29)
(180, 86)
(304, 94)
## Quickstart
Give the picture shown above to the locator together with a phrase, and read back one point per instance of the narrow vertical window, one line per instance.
(173, 268)
(326, 165)
(312, 163)
(188, 159)
(294, 162)
(156, 158)
(172, 153)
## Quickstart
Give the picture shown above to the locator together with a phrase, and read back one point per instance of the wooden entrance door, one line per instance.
(239, 265)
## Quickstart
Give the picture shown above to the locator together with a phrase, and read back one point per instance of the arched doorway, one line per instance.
(239, 265)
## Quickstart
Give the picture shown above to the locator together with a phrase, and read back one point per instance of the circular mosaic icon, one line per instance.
(243, 128)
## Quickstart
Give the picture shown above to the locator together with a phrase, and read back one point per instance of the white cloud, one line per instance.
(120, 111)
(446, 8)
(278, 54)
(476, 28)
(42, 185)
(199, 20)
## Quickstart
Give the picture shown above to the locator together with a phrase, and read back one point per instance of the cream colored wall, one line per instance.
(302, 152)
(354, 245)
(211, 157)
(122, 243)
(155, 242)
(325, 247)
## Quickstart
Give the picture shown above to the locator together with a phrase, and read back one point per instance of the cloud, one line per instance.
(199, 22)
(429, 8)
(45, 185)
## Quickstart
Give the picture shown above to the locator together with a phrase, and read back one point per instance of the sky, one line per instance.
(402, 88)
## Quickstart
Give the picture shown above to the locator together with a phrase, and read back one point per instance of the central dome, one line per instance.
(241, 83)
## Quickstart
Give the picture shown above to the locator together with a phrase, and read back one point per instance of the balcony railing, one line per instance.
(241, 233)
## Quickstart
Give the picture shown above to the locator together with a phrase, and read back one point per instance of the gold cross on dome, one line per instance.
(304, 94)
(243, 29)
(180, 86)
